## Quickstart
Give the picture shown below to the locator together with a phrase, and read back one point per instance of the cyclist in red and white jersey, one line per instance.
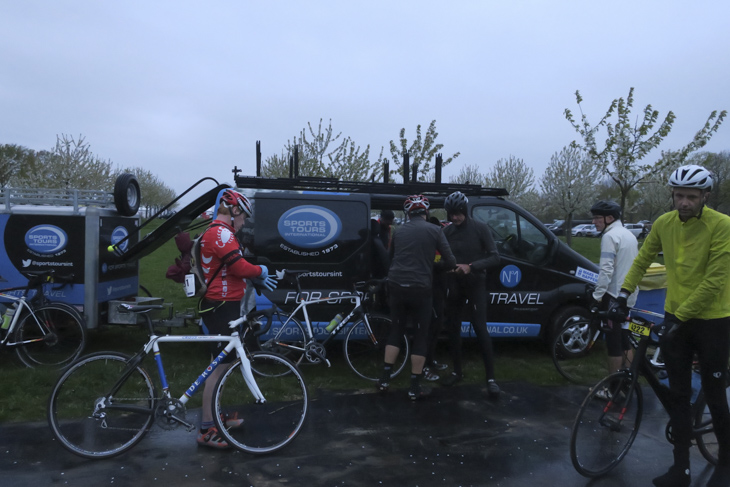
(225, 272)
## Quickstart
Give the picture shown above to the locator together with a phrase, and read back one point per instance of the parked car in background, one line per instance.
(636, 228)
(558, 227)
(584, 230)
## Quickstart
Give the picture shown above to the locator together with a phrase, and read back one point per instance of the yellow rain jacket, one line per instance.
(697, 259)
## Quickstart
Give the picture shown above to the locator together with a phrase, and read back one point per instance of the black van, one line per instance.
(323, 226)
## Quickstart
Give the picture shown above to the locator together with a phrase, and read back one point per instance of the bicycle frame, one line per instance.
(645, 367)
(22, 305)
(31, 298)
(356, 312)
(153, 345)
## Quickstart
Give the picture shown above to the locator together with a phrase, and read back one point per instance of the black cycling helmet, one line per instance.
(456, 203)
(606, 208)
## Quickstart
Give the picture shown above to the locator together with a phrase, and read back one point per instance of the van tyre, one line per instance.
(565, 316)
(127, 194)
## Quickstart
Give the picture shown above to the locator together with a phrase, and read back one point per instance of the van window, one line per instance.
(515, 236)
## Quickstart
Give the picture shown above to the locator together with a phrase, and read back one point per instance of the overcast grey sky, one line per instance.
(185, 88)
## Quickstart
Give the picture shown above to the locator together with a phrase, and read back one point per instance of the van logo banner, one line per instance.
(46, 239)
(510, 276)
(310, 226)
(119, 234)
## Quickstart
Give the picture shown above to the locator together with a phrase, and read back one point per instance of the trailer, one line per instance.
(70, 231)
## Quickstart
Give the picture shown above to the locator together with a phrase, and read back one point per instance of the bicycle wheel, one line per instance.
(603, 430)
(364, 352)
(94, 412)
(267, 426)
(704, 430)
(287, 338)
(578, 355)
(54, 337)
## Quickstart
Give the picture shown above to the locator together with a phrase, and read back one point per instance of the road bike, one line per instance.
(579, 354)
(364, 344)
(106, 402)
(610, 416)
(42, 332)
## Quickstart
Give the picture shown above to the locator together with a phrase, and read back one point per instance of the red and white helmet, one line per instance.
(416, 203)
(231, 198)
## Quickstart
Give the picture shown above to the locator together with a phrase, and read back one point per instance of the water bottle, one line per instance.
(8, 316)
(335, 321)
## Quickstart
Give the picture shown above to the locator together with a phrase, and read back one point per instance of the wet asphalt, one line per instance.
(454, 437)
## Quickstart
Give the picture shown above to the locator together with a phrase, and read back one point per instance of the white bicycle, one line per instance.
(364, 344)
(106, 402)
(43, 333)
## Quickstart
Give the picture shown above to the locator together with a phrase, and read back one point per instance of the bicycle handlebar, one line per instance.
(376, 284)
(36, 278)
(267, 313)
(371, 285)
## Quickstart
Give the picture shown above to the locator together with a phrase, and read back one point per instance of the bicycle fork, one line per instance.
(248, 374)
(614, 422)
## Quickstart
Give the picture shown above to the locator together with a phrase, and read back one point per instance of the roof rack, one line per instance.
(409, 186)
(75, 198)
(337, 186)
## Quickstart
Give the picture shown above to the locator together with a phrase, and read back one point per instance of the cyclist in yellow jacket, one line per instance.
(696, 245)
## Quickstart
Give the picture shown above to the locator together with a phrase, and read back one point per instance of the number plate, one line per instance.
(639, 329)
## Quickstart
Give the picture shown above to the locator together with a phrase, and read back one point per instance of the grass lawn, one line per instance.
(26, 391)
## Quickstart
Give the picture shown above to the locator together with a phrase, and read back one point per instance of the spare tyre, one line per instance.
(127, 194)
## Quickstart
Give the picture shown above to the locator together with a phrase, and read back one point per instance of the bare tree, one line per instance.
(569, 184)
(12, 159)
(653, 195)
(469, 174)
(719, 165)
(513, 175)
(155, 193)
(628, 145)
(422, 152)
(70, 164)
(321, 155)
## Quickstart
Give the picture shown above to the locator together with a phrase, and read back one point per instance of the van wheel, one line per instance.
(565, 316)
(127, 194)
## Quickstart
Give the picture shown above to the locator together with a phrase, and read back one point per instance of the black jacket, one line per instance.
(413, 250)
(472, 243)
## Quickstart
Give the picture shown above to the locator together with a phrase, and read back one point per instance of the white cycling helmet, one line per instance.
(691, 176)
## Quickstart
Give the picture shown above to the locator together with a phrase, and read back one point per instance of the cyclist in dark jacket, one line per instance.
(475, 252)
(409, 283)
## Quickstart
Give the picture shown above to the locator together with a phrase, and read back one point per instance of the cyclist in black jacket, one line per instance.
(473, 246)
(409, 283)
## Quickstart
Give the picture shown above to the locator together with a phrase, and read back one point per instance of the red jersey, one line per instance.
(219, 245)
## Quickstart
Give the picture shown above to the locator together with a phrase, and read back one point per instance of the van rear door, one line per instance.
(324, 233)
